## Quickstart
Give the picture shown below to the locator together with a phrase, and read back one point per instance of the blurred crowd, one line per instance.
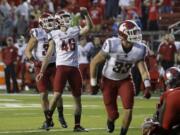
(17, 17)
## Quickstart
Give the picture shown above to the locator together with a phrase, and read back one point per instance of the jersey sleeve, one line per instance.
(34, 33)
(145, 51)
(106, 47)
(50, 36)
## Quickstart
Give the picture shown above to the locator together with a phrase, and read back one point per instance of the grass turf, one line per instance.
(21, 115)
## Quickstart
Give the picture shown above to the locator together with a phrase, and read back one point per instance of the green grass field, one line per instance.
(21, 115)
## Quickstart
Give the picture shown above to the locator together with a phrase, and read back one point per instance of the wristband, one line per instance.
(93, 81)
(147, 83)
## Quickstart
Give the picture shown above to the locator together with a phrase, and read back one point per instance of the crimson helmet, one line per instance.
(130, 31)
(172, 77)
(63, 18)
(46, 21)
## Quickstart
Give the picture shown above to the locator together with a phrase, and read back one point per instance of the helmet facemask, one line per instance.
(130, 31)
(134, 35)
(63, 19)
(47, 23)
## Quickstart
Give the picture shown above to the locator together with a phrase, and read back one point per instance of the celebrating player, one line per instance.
(35, 52)
(64, 40)
(119, 54)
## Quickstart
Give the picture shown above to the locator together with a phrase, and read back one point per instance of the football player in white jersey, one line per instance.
(119, 55)
(35, 52)
(84, 49)
(64, 41)
(21, 45)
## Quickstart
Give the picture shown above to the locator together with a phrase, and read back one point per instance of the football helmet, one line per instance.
(46, 21)
(63, 18)
(130, 31)
(172, 77)
(150, 127)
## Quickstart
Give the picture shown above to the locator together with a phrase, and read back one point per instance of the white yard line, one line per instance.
(68, 95)
(8, 100)
(52, 130)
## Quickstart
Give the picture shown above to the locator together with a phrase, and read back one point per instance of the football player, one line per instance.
(84, 49)
(64, 41)
(167, 116)
(36, 51)
(120, 54)
(21, 45)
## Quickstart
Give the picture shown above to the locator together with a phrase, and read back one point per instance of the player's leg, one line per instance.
(60, 110)
(59, 84)
(75, 81)
(52, 71)
(84, 70)
(126, 91)
(43, 90)
(109, 90)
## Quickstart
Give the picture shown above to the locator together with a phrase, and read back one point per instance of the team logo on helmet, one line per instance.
(130, 31)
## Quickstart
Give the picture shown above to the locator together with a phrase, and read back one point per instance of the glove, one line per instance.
(94, 90)
(147, 93)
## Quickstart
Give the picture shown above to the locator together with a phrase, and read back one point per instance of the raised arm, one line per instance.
(89, 22)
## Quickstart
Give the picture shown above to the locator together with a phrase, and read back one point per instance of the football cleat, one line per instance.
(78, 128)
(47, 125)
(110, 126)
(63, 122)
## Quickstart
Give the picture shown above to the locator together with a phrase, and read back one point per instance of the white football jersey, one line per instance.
(21, 48)
(177, 44)
(118, 62)
(40, 50)
(83, 52)
(66, 44)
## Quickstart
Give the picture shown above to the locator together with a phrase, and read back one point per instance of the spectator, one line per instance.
(35, 12)
(84, 3)
(50, 6)
(167, 6)
(9, 56)
(166, 51)
(111, 8)
(5, 7)
(124, 5)
(96, 15)
(8, 26)
(24, 8)
(153, 14)
(22, 25)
